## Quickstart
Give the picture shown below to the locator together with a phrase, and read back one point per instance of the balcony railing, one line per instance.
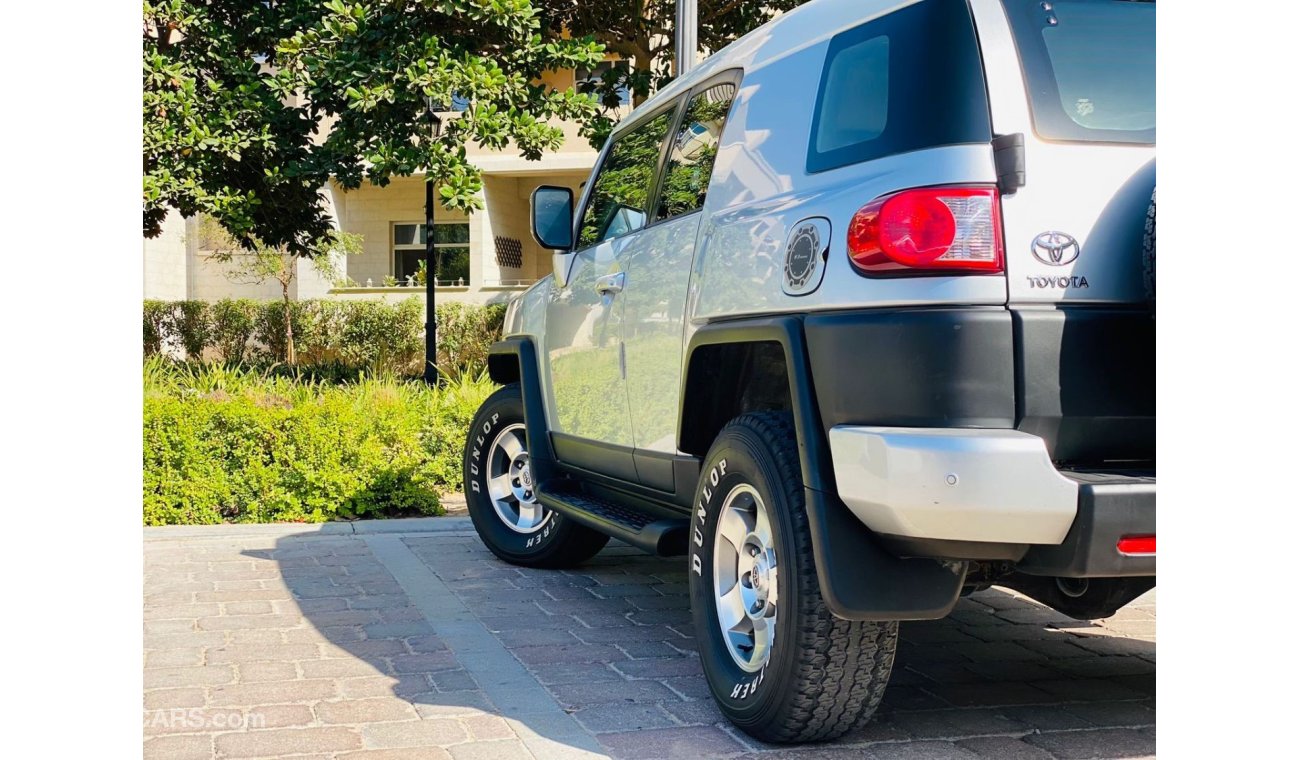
(460, 282)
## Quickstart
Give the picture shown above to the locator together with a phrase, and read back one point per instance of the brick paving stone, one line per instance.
(949, 724)
(922, 751)
(273, 692)
(1003, 748)
(508, 749)
(280, 716)
(683, 743)
(437, 732)
(317, 634)
(577, 695)
(204, 675)
(660, 668)
(191, 747)
(287, 741)
(266, 670)
(620, 717)
(354, 711)
(1118, 742)
(406, 753)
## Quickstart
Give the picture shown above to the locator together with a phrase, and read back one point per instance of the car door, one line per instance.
(658, 261)
(591, 426)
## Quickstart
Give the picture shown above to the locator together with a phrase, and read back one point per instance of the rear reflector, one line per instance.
(937, 229)
(1135, 545)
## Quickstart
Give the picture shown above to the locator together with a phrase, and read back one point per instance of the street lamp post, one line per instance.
(430, 273)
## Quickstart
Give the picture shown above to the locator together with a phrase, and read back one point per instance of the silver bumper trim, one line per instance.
(953, 484)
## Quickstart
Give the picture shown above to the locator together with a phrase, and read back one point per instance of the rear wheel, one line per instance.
(501, 495)
(779, 664)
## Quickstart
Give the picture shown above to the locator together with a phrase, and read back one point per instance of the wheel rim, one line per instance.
(745, 578)
(510, 482)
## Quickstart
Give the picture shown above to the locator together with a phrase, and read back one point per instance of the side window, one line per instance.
(694, 149)
(908, 80)
(620, 195)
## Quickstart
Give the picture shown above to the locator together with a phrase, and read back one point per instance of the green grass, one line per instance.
(231, 444)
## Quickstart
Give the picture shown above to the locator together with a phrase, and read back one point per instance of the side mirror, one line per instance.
(552, 212)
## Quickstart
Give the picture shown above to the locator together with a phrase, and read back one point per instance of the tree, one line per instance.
(250, 108)
(258, 262)
(642, 33)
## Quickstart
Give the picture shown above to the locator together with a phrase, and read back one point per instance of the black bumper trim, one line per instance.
(1111, 506)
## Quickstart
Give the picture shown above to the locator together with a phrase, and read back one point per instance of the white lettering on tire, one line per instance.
(702, 511)
(477, 453)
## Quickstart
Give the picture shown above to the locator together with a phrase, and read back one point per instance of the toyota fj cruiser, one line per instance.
(858, 316)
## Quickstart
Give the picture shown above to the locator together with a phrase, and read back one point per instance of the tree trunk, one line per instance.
(286, 277)
(290, 355)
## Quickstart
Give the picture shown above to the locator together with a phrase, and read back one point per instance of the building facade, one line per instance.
(484, 257)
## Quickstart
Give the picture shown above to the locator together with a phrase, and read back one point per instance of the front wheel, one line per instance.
(779, 664)
(502, 498)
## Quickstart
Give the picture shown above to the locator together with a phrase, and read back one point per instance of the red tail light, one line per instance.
(1131, 545)
(935, 229)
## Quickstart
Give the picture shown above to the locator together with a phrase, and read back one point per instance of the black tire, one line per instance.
(825, 676)
(556, 542)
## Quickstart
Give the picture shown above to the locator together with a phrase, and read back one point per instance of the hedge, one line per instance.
(229, 444)
(373, 336)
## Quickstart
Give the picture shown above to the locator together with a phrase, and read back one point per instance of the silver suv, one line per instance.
(857, 317)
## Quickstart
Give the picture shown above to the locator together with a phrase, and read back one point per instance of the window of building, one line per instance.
(620, 196)
(695, 148)
(450, 247)
(587, 80)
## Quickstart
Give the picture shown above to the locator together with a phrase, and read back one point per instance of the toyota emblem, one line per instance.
(1055, 249)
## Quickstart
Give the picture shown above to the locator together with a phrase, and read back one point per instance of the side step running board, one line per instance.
(665, 537)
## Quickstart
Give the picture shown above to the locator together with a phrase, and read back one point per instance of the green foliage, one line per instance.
(386, 337)
(643, 34)
(624, 179)
(334, 338)
(695, 148)
(191, 326)
(233, 324)
(237, 445)
(465, 333)
(251, 108)
(157, 315)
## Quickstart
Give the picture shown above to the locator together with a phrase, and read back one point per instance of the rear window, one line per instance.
(1090, 66)
(909, 80)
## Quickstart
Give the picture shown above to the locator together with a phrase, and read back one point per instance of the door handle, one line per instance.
(609, 284)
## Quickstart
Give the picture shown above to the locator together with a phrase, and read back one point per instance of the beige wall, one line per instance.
(371, 211)
(165, 259)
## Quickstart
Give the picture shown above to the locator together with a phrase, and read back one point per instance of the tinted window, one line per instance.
(620, 195)
(694, 149)
(913, 79)
(1090, 66)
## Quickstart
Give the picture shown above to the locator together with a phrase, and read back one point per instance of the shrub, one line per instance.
(384, 337)
(191, 326)
(465, 333)
(231, 444)
(334, 338)
(157, 316)
(233, 323)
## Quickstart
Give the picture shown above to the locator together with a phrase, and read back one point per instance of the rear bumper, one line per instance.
(1111, 506)
(968, 485)
(956, 492)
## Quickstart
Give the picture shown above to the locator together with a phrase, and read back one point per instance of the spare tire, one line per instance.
(1149, 252)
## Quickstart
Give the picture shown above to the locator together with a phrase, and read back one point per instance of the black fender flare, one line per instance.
(859, 578)
(514, 359)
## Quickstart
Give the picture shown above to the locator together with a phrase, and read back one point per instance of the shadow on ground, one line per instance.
(611, 645)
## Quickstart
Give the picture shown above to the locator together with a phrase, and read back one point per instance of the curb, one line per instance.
(357, 528)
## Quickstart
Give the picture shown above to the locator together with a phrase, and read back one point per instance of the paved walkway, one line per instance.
(408, 639)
